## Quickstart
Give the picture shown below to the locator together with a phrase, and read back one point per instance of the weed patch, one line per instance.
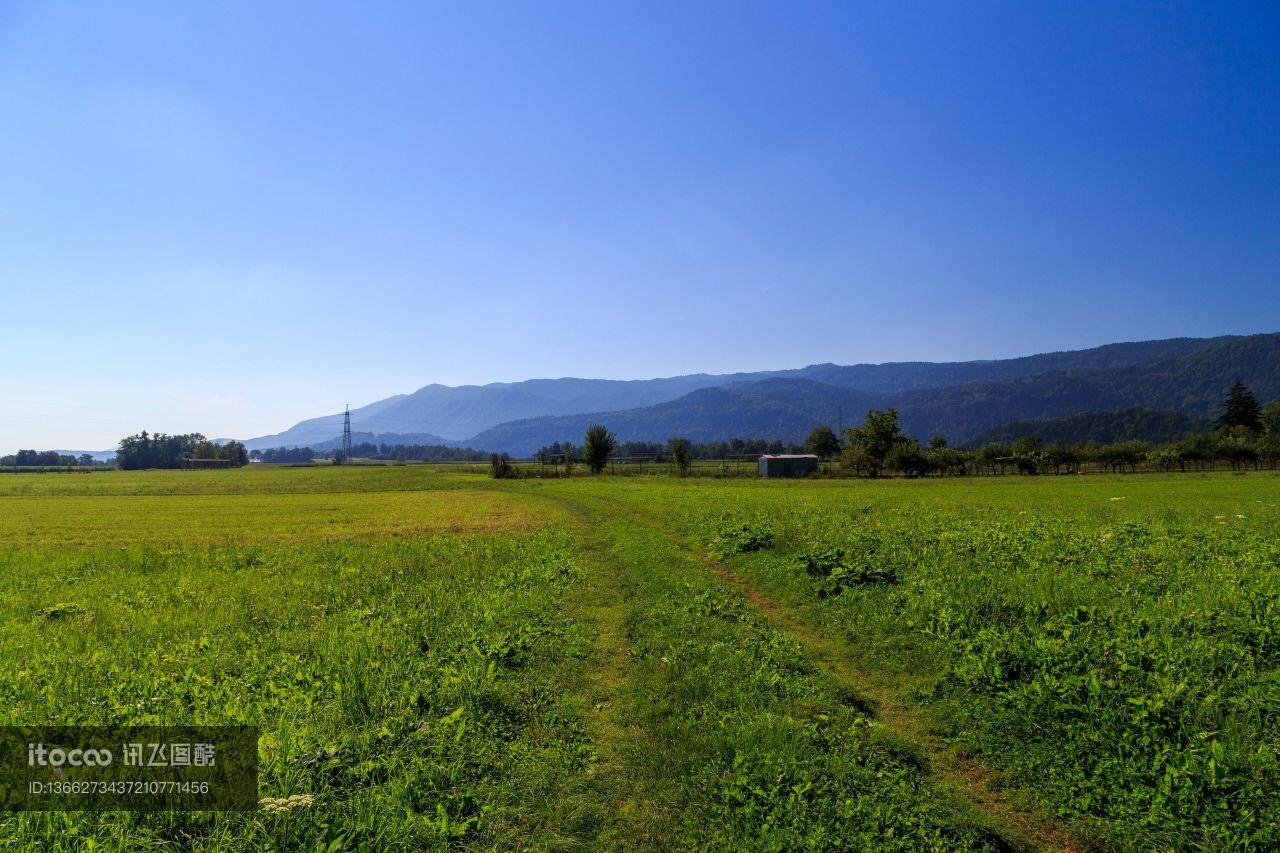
(834, 570)
(739, 537)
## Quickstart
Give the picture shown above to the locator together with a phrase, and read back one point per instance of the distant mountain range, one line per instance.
(963, 401)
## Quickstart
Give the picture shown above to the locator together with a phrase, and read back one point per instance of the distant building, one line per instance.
(788, 465)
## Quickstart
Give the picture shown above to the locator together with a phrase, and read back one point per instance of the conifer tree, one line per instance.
(1241, 409)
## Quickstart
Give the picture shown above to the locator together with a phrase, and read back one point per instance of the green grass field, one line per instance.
(441, 660)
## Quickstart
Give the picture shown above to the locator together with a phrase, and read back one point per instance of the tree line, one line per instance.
(45, 459)
(1244, 435)
(282, 454)
(158, 450)
(409, 453)
(600, 446)
(662, 451)
(369, 450)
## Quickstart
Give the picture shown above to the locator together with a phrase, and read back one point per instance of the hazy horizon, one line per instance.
(231, 219)
(357, 405)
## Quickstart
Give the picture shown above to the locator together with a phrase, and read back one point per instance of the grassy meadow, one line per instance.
(440, 660)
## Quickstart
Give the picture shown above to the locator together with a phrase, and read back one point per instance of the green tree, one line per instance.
(947, 460)
(681, 451)
(1059, 455)
(1268, 447)
(1027, 454)
(1241, 409)
(822, 442)
(235, 453)
(1236, 446)
(867, 447)
(1198, 450)
(906, 458)
(993, 456)
(597, 446)
(854, 458)
(1165, 458)
(1271, 418)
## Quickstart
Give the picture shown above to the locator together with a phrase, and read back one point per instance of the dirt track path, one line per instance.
(952, 770)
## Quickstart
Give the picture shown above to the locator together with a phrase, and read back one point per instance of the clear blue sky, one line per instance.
(233, 217)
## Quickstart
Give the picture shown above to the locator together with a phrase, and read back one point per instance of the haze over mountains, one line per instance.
(960, 400)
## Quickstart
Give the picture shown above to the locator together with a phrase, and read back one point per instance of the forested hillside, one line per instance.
(458, 414)
(1191, 384)
(962, 400)
(1135, 424)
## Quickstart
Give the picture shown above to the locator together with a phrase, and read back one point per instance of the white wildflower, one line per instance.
(284, 805)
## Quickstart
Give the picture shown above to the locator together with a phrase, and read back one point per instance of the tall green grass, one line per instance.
(438, 660)
(1111, 644)
(743, 743)
(414, 689)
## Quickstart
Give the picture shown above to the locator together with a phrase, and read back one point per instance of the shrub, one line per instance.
(740, 538)
(834, 569)
(502, 467)
(681, 453)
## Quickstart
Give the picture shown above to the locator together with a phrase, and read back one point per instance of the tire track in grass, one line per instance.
(649, 805)
(602, 601)
(951, 769)
(606, 601)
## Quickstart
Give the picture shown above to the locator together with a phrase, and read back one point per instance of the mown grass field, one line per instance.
(442, 660)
